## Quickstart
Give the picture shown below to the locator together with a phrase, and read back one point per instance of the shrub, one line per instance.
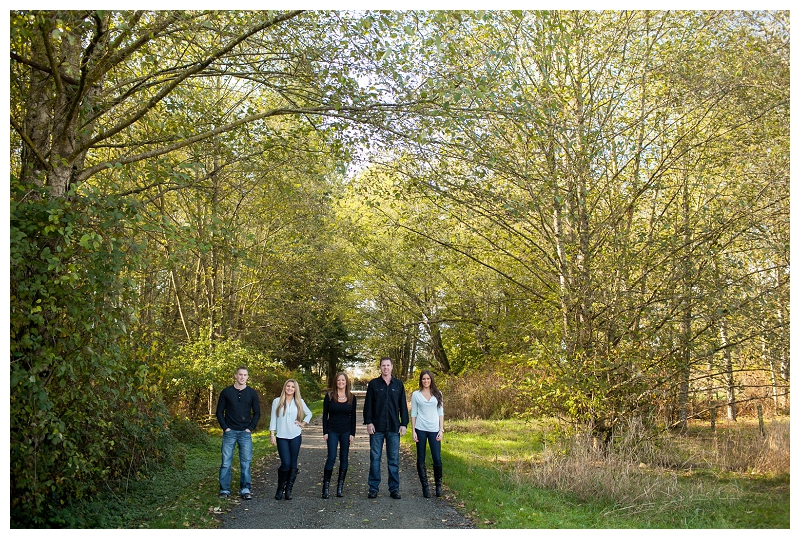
(485, 394)
(83, 408)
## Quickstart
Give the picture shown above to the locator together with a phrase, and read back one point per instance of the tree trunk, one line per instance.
(684, 355)
(730, 386)
(437, 347)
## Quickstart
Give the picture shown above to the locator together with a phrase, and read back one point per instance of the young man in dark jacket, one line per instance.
(386, 418)
(238, 412)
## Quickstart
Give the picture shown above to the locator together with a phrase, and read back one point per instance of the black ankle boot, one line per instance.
(423, 478)
(326, 482)
(340, 483)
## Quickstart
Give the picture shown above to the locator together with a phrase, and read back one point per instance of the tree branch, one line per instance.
(197, 68)
(27, 140)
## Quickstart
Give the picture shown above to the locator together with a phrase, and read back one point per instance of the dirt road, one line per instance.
(307, 509)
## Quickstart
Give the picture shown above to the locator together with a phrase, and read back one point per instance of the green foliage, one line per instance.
(204, 365)
(201, 369)
(84, 409)
(178, 494)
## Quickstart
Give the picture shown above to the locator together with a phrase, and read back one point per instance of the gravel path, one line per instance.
(307, 509)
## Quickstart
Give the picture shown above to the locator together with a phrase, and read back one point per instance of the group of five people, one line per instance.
(385, 415)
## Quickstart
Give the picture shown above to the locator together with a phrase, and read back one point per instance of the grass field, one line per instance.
(515, 474)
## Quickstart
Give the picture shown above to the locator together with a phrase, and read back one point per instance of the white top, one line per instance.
(283, 424)
(427, 412)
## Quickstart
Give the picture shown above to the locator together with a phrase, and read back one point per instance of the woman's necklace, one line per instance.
(342, 398)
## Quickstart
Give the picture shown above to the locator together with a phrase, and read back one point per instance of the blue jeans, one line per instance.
(436, 447)
(288, 451)
(335, 440)
(392, 460)
(229, 440)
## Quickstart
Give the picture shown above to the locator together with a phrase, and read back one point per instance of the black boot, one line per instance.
(340, 483)
(423, 478)
(437, 477)
(282, 476)
(290, 483)
(326, 482)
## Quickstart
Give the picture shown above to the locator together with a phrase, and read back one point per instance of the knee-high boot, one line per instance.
(326, 482)
(437, 477)
(423, 478)
(290, 483)
(282, 476)
(340, 483)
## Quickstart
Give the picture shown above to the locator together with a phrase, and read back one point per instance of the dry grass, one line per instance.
(641, 472)
(488, 394)
(737, 447)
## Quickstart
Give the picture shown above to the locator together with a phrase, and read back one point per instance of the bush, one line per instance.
(197, 373)
(83, 408)
(486, 394)
(184, 430)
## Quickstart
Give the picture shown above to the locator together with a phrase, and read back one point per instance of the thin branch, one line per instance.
(27, 140)
(42, 68)
(164, 92)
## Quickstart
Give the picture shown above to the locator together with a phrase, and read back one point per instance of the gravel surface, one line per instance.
(307, 509)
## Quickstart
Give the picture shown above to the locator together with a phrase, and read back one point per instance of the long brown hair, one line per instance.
(333, 391)
(297, 400)
(434, 390)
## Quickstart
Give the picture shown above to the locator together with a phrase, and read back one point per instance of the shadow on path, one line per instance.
(307, 509)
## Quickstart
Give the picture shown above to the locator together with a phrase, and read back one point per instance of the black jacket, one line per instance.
(385, 405)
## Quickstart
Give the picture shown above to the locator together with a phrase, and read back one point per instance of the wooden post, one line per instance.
(761, 421)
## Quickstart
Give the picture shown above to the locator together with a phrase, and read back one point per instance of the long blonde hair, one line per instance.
(297, 400)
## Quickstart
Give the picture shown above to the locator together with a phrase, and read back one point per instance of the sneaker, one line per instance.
(395, 495)
(223, 494)
(372, 494)
(247, 496)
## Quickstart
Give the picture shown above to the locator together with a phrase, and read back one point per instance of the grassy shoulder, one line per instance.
(513, 474)
(179, 493)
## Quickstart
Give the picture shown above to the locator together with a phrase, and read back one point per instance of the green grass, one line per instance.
(484, 476)
(485, 463)
(182, 493)
(315, 407)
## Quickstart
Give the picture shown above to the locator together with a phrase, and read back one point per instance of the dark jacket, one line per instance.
(385, 405)
(234, 406)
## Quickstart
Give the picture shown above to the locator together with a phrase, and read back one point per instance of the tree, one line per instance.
(138, 107)
(594, 161)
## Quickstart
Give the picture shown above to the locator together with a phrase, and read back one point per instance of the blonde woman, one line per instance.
(289, 415)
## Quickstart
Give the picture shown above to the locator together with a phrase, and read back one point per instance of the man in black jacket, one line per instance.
(238, 412)
(386, 418)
